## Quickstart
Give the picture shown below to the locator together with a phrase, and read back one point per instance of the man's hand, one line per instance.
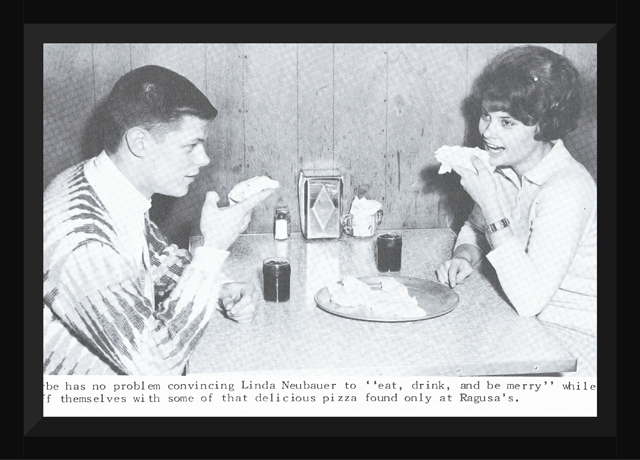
(239, 301)
(222, 226)
(454, 271)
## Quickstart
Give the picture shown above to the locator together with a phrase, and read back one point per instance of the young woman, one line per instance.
(535, 216)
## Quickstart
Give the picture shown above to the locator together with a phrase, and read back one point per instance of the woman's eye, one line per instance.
(507, 123)
(484, 116)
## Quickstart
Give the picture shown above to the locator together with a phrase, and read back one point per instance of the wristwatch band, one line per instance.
(492, 228)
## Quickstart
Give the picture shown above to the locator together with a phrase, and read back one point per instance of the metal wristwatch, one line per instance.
(492, 228)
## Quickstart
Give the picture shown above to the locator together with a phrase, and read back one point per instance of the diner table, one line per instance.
(483, 335)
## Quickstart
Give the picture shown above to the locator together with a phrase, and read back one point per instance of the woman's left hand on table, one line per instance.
(239, 301)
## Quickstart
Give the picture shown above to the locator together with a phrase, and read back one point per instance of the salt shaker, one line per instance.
(282, 223)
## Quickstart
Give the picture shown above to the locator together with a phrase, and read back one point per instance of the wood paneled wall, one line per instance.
(376, 112)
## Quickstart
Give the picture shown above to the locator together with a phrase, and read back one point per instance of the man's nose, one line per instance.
(201, 158)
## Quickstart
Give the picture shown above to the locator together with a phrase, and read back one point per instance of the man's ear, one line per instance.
(138, 141)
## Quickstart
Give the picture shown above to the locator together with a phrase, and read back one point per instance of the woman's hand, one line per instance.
(454, 271)
(482, 188)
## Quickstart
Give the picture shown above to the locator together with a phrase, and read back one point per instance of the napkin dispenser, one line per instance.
(320, 200)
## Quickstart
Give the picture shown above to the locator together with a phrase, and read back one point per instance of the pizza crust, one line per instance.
(250, 187)
(450, 156)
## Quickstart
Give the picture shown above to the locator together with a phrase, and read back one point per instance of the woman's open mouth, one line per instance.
(493, 149)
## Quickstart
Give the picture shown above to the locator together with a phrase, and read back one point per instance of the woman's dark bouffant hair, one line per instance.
(535, 86)
(154, 98)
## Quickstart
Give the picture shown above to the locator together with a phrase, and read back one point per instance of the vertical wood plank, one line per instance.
(68, 101)
(423, 113)
(315, 106)
(110, 61)
(360, 87)
(225, 145)
(270, 95)
(583, 142)
(176, 217)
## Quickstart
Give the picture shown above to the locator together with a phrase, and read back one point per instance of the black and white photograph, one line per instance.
(320, 209)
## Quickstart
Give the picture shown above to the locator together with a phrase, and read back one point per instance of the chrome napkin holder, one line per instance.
(320, 201)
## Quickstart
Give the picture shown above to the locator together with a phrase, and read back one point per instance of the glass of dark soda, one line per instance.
(276, 273)
(389, 252)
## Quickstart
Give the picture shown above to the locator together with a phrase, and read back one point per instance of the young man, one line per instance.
(118, 298)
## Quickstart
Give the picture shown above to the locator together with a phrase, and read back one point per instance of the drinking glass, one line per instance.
(276, 273)
(389, 252)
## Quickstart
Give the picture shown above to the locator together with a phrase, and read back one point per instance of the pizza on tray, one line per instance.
(390, 299)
